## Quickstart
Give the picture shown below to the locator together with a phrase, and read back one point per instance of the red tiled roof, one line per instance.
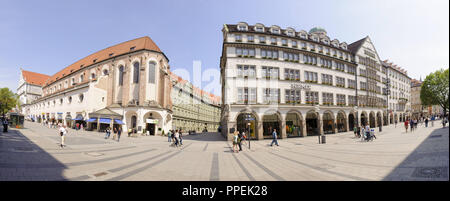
(122, 48)
(196, 90)
(34, 78)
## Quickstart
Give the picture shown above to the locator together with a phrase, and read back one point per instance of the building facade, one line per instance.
(194, 109)
(29, 89)
(299, 83)
(128, 83)
(399, 85)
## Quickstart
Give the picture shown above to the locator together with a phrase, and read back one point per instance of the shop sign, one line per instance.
(152, 121)
(305, 87)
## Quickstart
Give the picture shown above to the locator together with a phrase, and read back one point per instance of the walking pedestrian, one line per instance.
(274, 136)
(426, 122)
(406, 125)
(169, 136)
(355, 131)
(411, 124)
(235, 142)
(177, 135)
(444, 121)
(432, 121)
(367, 130)
(5, 125)
(119, 131)
(62, 133)
(362, 133)
(244, 138)
(108, 132)
(240, 141)
(115, 133)
(181, 137)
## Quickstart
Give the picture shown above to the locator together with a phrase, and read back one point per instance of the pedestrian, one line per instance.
(240, 141)
(119, 131)
(62, 133)
(274, 136)
(177, 135)
(169, 136)
(108, 132)
(181, 137)
(235, 142)
(5, 125)
(355, 131)
(81, 126)
(115, 133)
(406, 125)
(444, 121)
(426, 122)
(372, 134)
(367, 130)
(78, 126)
(362, 133)
(244, 138)
(411, 124)
(432, 121)
(129, 132)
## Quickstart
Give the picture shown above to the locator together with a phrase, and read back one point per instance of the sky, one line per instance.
(46, 36)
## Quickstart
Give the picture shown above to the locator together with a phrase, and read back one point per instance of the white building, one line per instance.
(125, 85)
(301, 83)
(29, 89)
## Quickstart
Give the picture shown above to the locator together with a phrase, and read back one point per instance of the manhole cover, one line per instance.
(93, 154)
(430, 172)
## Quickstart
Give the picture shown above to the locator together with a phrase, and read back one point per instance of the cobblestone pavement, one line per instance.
(33, 153)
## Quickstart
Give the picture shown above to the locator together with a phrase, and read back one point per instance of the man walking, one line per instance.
(181, 137)
(240, 141)
(169, 136)
(274, 135)
(119, 131)
(426, 122)
(62, 133)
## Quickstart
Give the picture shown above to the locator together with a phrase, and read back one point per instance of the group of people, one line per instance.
(175, 137)
(117, 133)
(365, 133)
(412, 123)
(238, 139)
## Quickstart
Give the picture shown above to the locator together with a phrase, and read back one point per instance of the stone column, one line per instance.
(260, 130)
(283, 126)
(304, 134)
(320, 124)
(335, 123)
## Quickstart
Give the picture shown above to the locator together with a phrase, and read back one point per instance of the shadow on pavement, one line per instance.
(428, 162)
(204, 137)
(23, 160)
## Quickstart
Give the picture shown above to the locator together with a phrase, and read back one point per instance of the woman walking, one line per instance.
(406, 125)
(119, 131)
(62, 133)
(235, 142)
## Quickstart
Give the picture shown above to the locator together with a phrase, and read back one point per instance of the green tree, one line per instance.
(435, 90)
(8, 100)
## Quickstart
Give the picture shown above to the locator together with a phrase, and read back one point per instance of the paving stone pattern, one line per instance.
(34, 153)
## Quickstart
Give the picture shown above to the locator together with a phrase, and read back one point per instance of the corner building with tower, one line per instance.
(299, 83)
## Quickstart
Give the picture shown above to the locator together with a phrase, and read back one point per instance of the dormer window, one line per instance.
(275, 31)
(303, 36)
(259, 29)
(290, 33)
(95, 60)
(132, 48)
(111, 54)
(242, 28)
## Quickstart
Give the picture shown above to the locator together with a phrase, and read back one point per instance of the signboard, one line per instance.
(151, 121)
(305, 87)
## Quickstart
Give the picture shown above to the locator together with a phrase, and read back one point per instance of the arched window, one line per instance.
(81, 97)
(136, 72)
(151, 72)
(81, 78)
(92, 75)
(120, 75)
(105, 72)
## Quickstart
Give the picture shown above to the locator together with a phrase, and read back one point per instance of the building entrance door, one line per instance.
(150, 128)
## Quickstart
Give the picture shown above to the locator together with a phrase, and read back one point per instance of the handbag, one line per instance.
(61, 133)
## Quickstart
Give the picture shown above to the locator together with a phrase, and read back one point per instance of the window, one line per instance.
(92, 75)
(81, 78)
(340, 81)
(363, 85)
(244, 52)
(290, 33)
(303, 36)
(259, 29)
(340, 66)
(105, 72)
(276, 31)
(60, 101)
(284, 42)
(136, 72)
(351, 69)
(310, 59)
(327, 79)
(273, 41)
(351, 100)
(271, 95)
(340, 98)
(294, 44)
(238, 38)
(351, 83)
(246, 95)
(327, 63)
(242, 28)
(262, 39)
(151, 72)
(81, 97)
(310, 77)
(292, 96)
(290, 56)
(290, 74)
(270, 72)
(327, 98)
(270, 54)
(303, 44)
(250, 38)
(311, 97)
(246, 71)
(120, 75)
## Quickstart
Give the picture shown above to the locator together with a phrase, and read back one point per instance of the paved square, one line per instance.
(33, 153)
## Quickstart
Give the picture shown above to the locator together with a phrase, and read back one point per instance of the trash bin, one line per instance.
(380, 129)
(323, 139)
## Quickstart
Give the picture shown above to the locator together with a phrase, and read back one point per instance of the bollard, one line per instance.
(323, 139)
(319, 138)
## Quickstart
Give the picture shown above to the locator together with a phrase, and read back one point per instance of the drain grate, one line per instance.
(23, 149)
(435, 136)
(431, 172)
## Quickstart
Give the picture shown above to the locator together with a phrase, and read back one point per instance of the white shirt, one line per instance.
(63, 130)
(177, 134)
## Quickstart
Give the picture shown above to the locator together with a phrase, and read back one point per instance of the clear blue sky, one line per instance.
(46, 36)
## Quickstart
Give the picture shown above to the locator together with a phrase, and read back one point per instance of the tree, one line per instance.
(8, 100)
(435, 89)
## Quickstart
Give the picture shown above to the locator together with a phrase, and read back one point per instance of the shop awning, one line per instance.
(118, 121)
(78, 119)
(92, 120)
(105, 121)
